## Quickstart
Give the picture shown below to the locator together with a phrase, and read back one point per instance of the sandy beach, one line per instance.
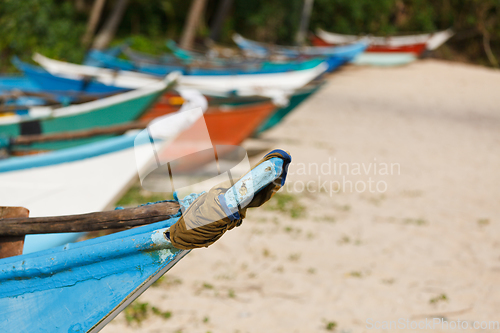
(391, 213)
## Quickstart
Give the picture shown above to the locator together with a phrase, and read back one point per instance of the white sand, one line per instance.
(363, 255)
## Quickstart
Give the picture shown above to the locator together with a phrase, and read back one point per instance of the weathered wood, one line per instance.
(116, 219)
(12, 245)
(73, 135)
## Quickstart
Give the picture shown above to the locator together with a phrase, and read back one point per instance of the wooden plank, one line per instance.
(73, 135)
(116, 219)
(12, 245)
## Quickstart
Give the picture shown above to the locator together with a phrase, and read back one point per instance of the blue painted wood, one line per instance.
(74, 288)
(252, 68)
(94, 149)
(81, 287)
(9, 82)
(49, 82)
(242, 192)
(348, 52)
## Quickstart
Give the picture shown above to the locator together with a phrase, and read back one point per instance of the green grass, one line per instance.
(286, 203)
(331, 325)
(136, 195)
(418, 221)
(440, 298)
(166, 281)
(137, 312)
(356, 274)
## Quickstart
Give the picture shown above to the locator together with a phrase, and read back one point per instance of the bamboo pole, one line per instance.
(115, 219)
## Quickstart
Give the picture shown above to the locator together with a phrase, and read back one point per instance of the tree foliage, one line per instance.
(55, 27)
(51, 27)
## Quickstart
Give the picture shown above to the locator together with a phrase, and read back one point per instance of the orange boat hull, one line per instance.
(226, 125)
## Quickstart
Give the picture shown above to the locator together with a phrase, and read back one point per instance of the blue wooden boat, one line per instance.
(81, 287)
(71, 176)
(112, 51)
(9, 82)
(113, 110)
(43, 79)
(86, 159)
(138, 56)
(252, 68)
(347, 52)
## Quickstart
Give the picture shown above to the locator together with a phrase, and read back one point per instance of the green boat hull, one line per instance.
(296, 99)
(119, 113)
(384, 59)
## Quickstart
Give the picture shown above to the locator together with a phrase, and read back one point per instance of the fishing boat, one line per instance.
(346, 52)
(113, 110)
(201, 64)
(208, 67)
(273, 85)
(72, 177)
(384, 59)
(47, 81)
(226, 124)
(63, 76)
(138, 56)
(432, 41)
(82, 287)
(9, 82)
(416, 49)
(296, 99)
(15, 100)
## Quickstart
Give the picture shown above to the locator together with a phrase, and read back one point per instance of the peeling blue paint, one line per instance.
(71, 288)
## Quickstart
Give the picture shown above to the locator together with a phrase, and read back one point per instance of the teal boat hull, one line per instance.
(115, 114)
(281, 113)
(382, 59)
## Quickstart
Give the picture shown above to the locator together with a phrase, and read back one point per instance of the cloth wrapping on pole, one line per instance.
(208, 218)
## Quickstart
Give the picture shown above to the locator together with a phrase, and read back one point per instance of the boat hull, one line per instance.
(114, 114)
(82, 286)
(384, 59)
(226, 125)
(417, 48)
(295, 100)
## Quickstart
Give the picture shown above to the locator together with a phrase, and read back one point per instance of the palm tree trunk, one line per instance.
(304, 22)
(108, 31)
(192, 22)
(95, 15)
